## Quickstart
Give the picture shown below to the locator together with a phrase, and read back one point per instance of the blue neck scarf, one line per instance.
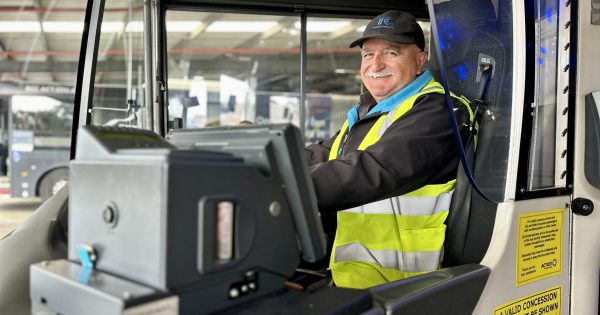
(396, 99)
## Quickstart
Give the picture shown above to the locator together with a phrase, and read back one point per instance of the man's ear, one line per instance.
(421, 59)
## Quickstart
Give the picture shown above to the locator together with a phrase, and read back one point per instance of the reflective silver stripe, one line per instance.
(407, 205)
(386, 123)
(389, 259)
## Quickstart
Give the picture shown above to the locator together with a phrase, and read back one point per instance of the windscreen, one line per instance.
(227, 69)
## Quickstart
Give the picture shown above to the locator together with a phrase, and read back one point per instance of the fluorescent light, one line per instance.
(240, 26)
(111, 27)
(323, 26)
(20, 27)
(138, 26)
(62, 27)
(135, 26)
(361, 29)
(182, 26)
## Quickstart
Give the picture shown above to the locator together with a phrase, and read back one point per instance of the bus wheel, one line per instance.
(52, 182)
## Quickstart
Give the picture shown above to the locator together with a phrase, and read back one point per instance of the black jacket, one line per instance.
(416, 150)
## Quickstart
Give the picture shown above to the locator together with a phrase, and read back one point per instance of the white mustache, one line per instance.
(380, 74)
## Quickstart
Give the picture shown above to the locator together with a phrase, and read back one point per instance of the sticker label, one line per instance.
(539, 246)
(546, 302)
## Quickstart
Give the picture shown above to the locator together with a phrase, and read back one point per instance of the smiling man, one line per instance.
(389, 173)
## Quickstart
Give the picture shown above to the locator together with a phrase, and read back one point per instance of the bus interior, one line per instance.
(202, 108)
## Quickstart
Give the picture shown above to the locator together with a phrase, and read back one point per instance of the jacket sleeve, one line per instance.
(417, 149)
(319, 152)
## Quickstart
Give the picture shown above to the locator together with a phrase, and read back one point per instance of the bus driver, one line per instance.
(392, 166)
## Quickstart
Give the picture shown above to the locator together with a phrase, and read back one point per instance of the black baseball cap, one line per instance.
(397, 27)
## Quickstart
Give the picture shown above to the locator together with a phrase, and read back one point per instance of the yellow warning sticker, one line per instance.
(539, 245)
(546, 302)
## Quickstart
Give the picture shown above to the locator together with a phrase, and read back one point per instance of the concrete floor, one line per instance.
(13, 211)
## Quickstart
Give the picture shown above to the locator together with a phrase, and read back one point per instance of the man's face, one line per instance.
(388, 67)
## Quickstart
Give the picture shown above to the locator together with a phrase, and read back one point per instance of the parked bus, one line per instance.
(36, 137)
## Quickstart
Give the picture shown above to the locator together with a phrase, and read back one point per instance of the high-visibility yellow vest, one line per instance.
(394, 238)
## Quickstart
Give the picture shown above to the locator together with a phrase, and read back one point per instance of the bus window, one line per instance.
(48, 119)
(118, 98)
(547, 150)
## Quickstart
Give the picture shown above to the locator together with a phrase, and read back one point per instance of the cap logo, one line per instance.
(384, 22)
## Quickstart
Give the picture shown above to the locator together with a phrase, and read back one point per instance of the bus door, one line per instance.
(516, 50)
